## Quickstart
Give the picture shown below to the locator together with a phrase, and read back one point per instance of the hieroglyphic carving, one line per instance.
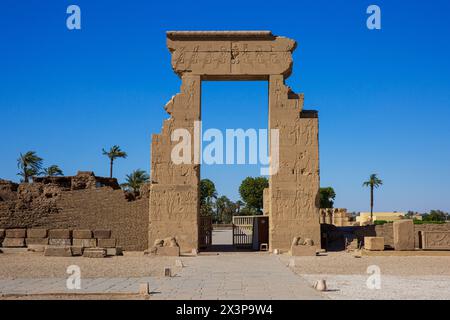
(251, 57)
(291, 200)
(436, 240)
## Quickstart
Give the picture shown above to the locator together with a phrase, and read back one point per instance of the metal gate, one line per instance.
(205, 232)
(243, 231)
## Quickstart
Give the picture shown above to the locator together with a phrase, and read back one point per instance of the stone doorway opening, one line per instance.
(229, 106)
(293, 194)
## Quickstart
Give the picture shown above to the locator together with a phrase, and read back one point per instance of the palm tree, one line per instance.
(208, 193)
(373, 182)
(53, 171)
(30, 165)
(113, 154)
(135, 180)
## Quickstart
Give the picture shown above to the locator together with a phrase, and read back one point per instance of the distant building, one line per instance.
(364, 217)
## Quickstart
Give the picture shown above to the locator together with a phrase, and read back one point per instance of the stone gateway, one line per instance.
(292, 198)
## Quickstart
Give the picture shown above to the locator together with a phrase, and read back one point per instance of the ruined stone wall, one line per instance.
(47, 206)
(387, 231)
(294, 189)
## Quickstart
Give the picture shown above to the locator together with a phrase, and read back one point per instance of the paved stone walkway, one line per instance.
(227, 276)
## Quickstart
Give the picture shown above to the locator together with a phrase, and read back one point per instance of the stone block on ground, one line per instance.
(36, 247)
(13, 243)
(302, 251)
(168, 251)
(36, 241)
(374, 243)
(16, 233)
(85, 243)
(107, 243)
(37, 233)
(436, 240)
(403, 235)
(114, 251)
(60, 242)
(59, 234)
(82, 234)
(102, 234)
(58, 251)
(94, 253)
(77, 251)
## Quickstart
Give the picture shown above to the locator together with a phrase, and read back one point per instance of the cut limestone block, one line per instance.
(82, 234)
(36, 241)
(58, 251)
(436, 240)
(302, 251)
(107, 243)
(59, 242)
(36, 248)
(114, 251)
(16, 233)
(85, 243)
(37, 233)
(59, 234)
(404, 235)
(374, 243)
(13, 243)
(94, 253)
(77, 251)
(102, 234)
(168, 251)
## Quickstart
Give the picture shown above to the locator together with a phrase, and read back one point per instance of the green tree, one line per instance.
(135, 181)
(252, 191)
(225, 209)
(372, 183)
(435, 215)
(53, 171)
(208, 194)
(30, 164)
(113, 154)
(327, 196)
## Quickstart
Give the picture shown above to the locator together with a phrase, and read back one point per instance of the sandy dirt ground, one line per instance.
(34, 265)
(400, 277)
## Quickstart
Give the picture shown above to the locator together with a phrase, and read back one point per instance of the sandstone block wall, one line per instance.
(47, 206)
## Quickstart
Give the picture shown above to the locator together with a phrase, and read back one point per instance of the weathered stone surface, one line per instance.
(374, 243)
(301, 251)
(13, 243)
(224, 54)
(60, 242)
(85, 243)
(82, 234)
(404, 235)
(107, 243)
(36, 241)
(94, 253)
(435, 240)
(59, 234)
(292, 198)
(16, 233)
(77, 251)
(58, 251)
(168, 251)
(36, 247)
(37, 233)
(114, 251)
(102, 234)
(2, 233)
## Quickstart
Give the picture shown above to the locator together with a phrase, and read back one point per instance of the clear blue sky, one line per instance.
(383, 96)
